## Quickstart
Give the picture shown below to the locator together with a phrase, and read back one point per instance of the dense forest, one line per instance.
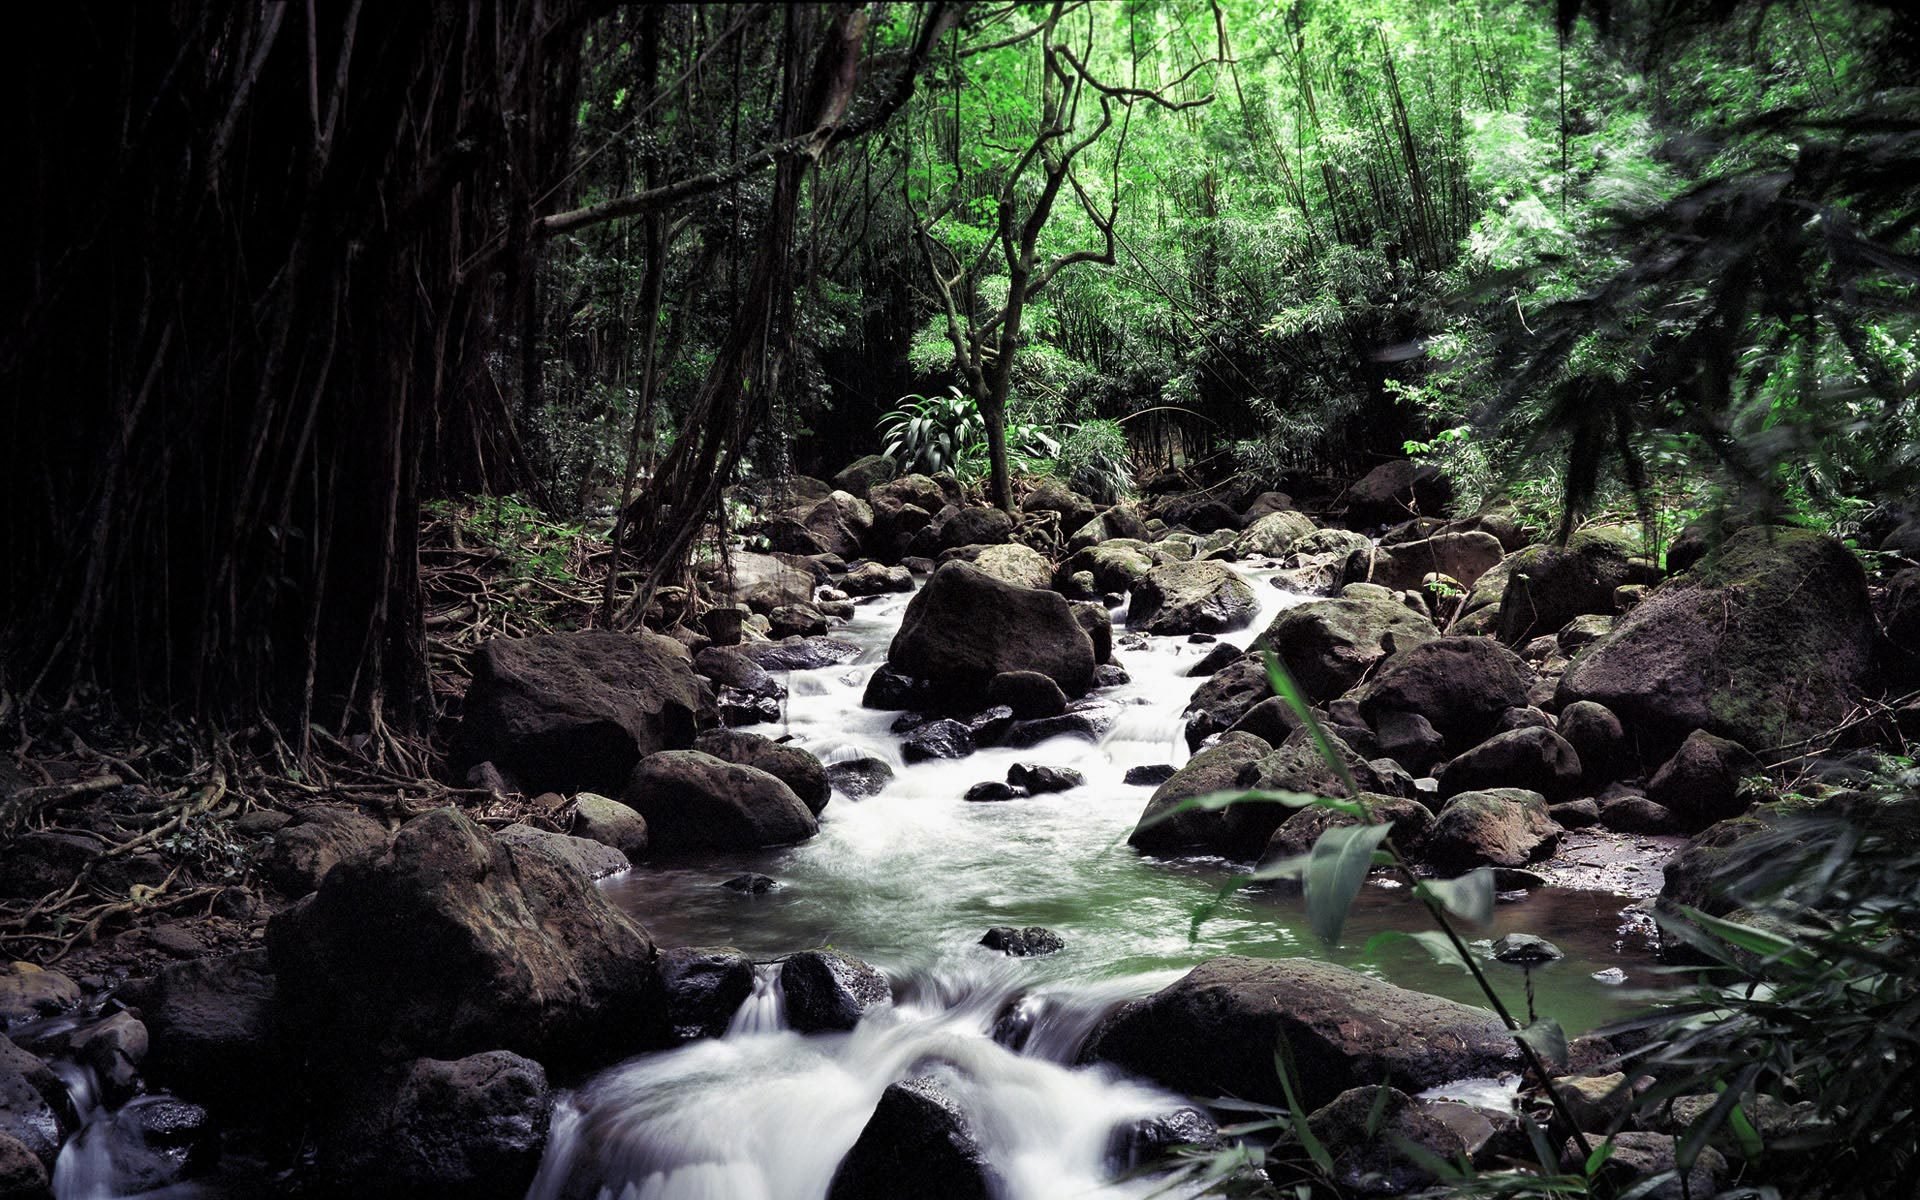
(482, 475)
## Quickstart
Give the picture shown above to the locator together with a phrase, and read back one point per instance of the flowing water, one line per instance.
(909, 880)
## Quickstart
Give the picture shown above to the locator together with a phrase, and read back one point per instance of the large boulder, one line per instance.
(1464, 557)
(319, 838)
(610, 823)
(1535, 758)
(1273, 534)
(917, 1143)
(1116, 565)
(1597, 736)
(964, 627)
(473, 1127)
(705, 986)
(840, 524)
(1297, 834)
(973, 526)
(792, 765)
(1367, 1131)
(1211, 1033)
(1396, 490)
(28, 992)
(1053, 496)
(452, 943)
(858, 477)
(1120, 521)
(1192, 597)
(764, 582)
(1547, 586)
(1227, 696)
(1215, 769)
(212, 1027)
(1701, 783)
(595, 860)
(1767, 642)
(829, 991)
(32, 1099)
(1500, 827)
(1461, 685)
(1022, 566)
(1329, 645)
(872, 579)
(22, 1175)
(693, 801)
(567, 712)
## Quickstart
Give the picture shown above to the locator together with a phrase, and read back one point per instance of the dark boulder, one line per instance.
(1548, 586)
(22, 1175)
(799, 653)
(1343, 1028)
(705, 986)
(1597, 736)
(873, 579)
(964, 627)
(1462, 557)
(1769, 641)
(1500, 827)
(796, 621)
(566, 712)
(319, 837)
(1297, 834)
(1216, 659)
(1039, 780)
(1329, 645)
(1215, 769)
(32, 1101)
(945, 738)
(973, 527)
(1273, 534)
(1396, 490)
(1701, 783)
(1028, 693)
(839, 524)
(1629, 812)
(1410, 740)
(1219, 703)
(859, 778)
(1532, 757)
(1030, 942)
(610, 823)
(1148, 1141)
(859, 477)
(792, 765)
(992, 791)
(732, 667)
(1097, 623)
(1074, 509)
(1114, 566)
(1461, 685)
(590, 858)
(693, 800)
(917, 1143)
(1186, 597)
(827, 990)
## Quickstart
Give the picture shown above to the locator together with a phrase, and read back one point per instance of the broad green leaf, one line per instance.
(1285, 688)
(1763, 942)
(1598, 1158)
(1435, 943)
(1336, 868)
(1469, 897)
(1548, 1040)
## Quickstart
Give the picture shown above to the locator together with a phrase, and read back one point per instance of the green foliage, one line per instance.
(933, 433)
(533, 545)
(1093, 460)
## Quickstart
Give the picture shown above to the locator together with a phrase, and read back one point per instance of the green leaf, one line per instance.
(1548, 1040)
(1315, 1148)
(1337, 867)
(1285, 688)
(1598, 1158)
(1763, 942)
(1435, 943)
(1469, 897)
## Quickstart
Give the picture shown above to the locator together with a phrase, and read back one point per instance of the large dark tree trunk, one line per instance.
(263, 252)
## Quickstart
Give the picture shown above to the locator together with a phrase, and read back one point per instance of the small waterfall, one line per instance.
(765, 1011)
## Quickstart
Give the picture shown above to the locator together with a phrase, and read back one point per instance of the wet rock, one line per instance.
(705, 986)
(1501, 827)
(1264, 503)
(1629, 813)
(1526, 950)
(1115, 566)
(791, 765)
(796, 621)
(964, 627)
(28, 992)
(1517, 879)
(763, 582)
(992, 791)
(1184, 597)
(1087, 719)
(22, 1177)
(863, 473)
(917, 1143)
(1410, 740)
(1461, 685)
(1097, 623)
(1297, 765)
(1461, 557)
(1597, 736)
(1107, 675)
(891, 691)
(827, 990)
(1534, 758)
(1343, 1028)
(1329, 645)
(1219, 703)
(1527, 717)
(1583, 631)
(610, 823)
(1272, 720)
(113, 1049)
(1053, 496)
(1637, 1156)
(567, 712)
(1273, 534)
(839, 524)
(859, 778)
(1028, 693)
(1548, 586)
(1766, 642)
(1149, 1140)
(751, 884)
(212, 1027)
(1151, 775)
(591, 858)
(873, 579)
(1030, 942)
(452, 943)
(731, 667)
(1701, 783)
(1367, 1131)
(472, 1127)
(990, 726)
(1575, 814)
(1214, 769)
(1215, 660)
(1298, 832)
(1038, 780)
(938, 739)
(799, 653)
(1395, 490)
(31, 1101)
(693, 800)
(157, 1141)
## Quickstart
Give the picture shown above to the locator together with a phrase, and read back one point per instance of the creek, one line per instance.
(910, 879)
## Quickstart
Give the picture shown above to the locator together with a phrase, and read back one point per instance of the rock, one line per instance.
(1219, 703)
(1028, 693)
(915, 489)
(1329, 645)
(1200, 513)
(763, 582)
(1462, 557)
(917, 1143)
(1115, 566)
(964, 627)
(974, 527)
(1636, 814)
(1052, 496)
(1597, 736)
(453, 942)
(1366, 1131)
(1039, 780)
(1533, 757)
(1273, 534)
(1185, 597)
(1119, 521)
(839, 524)
(1701, 783)
(1272, 720)
(1525, 717)
(1640, 1156)
(113, 1049)
(1019, 565)
(473, 1127)
(1575, 814)
(873, 579)
(1501, 827)
(1215, 769)
(212, 1027)
(1097, 623)
(567, 712)
(1769, 641)
(591, 858)
(693, 800)
(1107, 675)
(992, 791)
(28, 992)
(1900, 619)
(1461, 685)
(859, 778)
(1031, 942)
(751, 884)
(1263, 504)
(1583, 631)
(32, 1099)
(1088, 719)
(1152, 775)
(860, 475)
(610, 823)
(1526, 950)
(797, 620)
(1395, 490)
(791, 765)
(22, 1177)
(945, 738)
(827, 990)
(1216, 659)
(705, 986)
(1343, 1028)
(779, 491)
(155, 1142)
(891, 691)
(1298, 832)
(1548, 586)
(1410, 740)
(800, 654)
(1150, 1140)
(730, 666)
